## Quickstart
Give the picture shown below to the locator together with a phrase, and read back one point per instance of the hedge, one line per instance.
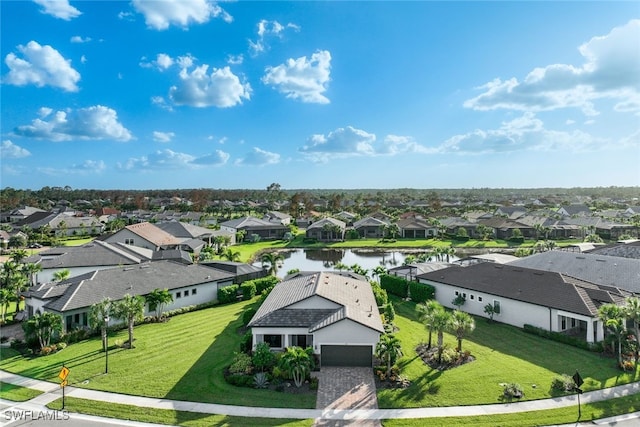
(565, 339)
(228, 294)
(248, 290)
(394, 285)
(264, 283)
(421, 292)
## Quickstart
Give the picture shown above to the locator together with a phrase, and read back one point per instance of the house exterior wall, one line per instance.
(346, 332)
(125, 236)
(259, 333)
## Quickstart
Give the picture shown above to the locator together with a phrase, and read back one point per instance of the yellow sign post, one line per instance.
(64, 373)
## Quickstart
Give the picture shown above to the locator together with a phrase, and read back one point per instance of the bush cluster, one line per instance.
(394, 285)
(228, 294)
(421, 292)
(565, 339)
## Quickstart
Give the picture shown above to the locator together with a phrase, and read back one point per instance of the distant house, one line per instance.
(347, 217)
(522, 296)
(193, 237)
(277, 218)
(72, 298)
(326, 230)
(144, 235)
(511, 212)
(240, 270)
(251, 225)
(62, 224)
(417, 228)
(19, 214)
(504, 228)
(574, 210)
(333, 313)
(370, 227)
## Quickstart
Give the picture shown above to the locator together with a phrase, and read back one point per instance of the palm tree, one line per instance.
(440, 323)
(61, 275)
(298, 362)
(272, 259)
(157, 299)
(17, 255)
(388, 350)
(378, 271)
(17, 284)
(231, 255)
(98, 318)
(427, 314)
(31, 269)
(632, 312)
(43, 326)
(340, 266)
(461, 324)
(129, 309)
(612, 317)
(6, 297)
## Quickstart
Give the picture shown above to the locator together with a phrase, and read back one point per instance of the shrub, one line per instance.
(263, 358)
(228, 294)
(248, 290)
(61, 345)
(240, 380)
(513, 391)
(380, 294)
(246, 343)
(394, 285)
(421, 292)
(449, 355)
(563, 383)
(389, 313)
(241, 364)
(264, 283)
(565, 339)
(313, 383)
(260, 380)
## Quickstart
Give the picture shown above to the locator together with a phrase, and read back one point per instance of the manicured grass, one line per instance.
(166, 416)
(181, 359)
(504, 354)
(568, 415)
(76, 242)
(17, 393)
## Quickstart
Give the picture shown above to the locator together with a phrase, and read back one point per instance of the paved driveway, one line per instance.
(346, 388)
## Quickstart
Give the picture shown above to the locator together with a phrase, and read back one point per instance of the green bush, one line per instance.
(389, 312)
(248, 290)
(264, 283)
(263, 359)
(380, 294)
(246, 343)
(563, 383)
(394, 285)
(240, 380)
(421, 292)
(565, 339)
(513, 391)
(228, 294)
(241, 364)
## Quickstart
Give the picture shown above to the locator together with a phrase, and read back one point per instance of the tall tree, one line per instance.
(30, 269)
(632, 312)
(440, 323)
(43, 327)
(272, 260)
(298, 362)
(461, 324)
(613, 318)
(130, 309)
(157, 299)
(6, 297)
(427, 313)
(388, 350)
(98, 313)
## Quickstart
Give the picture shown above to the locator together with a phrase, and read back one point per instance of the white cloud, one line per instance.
(163, 136)
(159, 160)
(217, 158)
(611, 70)
(159, 15)
(83, 59)
(267, 29)
(90, 166)
(523, 133)
(185, 61)
(58, 8)
(80, 39)
(235, 59)
(9, 150)
(92, 123)
(259, 157)
(41, 66)
(220, 89)
(302, 78)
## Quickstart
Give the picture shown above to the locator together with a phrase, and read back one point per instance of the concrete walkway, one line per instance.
(53, 392)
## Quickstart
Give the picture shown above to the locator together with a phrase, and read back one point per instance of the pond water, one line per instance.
(326, 259)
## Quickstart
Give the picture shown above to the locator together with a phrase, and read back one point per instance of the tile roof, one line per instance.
(623, 273)
(543, 288)
(350, 291)
(153, 234)
(87, 289)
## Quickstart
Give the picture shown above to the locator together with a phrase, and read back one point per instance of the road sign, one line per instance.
(64, 373)
(577, 379)
(64, 383)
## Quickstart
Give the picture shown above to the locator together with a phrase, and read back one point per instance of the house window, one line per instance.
(457, 293)
(178, 295)
(186, 293)
(303, 341)
(464, 295)
(274, 341)
(194, 291)
(128, 241)
(479, 299)
(563, 323)
(471, 297)
(496, 306)
(573, 322)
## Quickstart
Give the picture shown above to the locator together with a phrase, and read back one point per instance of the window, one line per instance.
(464, 295)
(573, 322)
(457, 293)
(178, 295)
(301, 340)
(479, 299)
(186, 293)
(496, 306)
(563, 323)
(194, 291)
(128, 241)
(471, 297)
(274, 341)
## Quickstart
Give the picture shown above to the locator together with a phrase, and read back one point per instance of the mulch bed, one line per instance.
(430, 357)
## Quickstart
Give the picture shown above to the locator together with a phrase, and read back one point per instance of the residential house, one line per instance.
(521, 296)
(144, 235)
(19, 214)
(574, 210)
(277, 217)
(333, 313)
(63, 224)
(255, 226)
(623, 273)
(371, 228)
(193, 237)
(417, 228)
(240, 270)
(348, 217)
(511, 212)
(629, 249)
(504, 228)
(72, 299)
(326, 230)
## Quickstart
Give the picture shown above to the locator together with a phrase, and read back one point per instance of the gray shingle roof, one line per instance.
(351, 292)
(543, 288)
(87, 289)
(96, 253)
(623, 273)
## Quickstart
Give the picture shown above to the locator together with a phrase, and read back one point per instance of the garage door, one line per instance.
(346, 355)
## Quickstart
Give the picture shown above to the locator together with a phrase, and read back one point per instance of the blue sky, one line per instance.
(197, 94)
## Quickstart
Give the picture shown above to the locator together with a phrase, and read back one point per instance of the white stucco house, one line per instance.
(547, 300)
(72, 299)
(333, 313)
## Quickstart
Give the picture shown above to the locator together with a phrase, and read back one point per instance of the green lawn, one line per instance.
(17, 393)
(182, 359)
(504, 354)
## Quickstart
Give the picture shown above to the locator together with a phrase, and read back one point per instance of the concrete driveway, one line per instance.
(346, 388)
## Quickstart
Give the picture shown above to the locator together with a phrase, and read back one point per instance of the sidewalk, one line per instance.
(52, 392)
